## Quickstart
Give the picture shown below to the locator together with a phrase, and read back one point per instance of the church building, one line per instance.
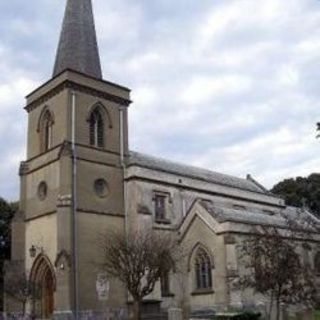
(80, 179)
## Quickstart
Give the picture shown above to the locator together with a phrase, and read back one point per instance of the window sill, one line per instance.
(167, 295)
(145, 213)
(97, 147)
(144, 210)
(199, 292)
(162, 221)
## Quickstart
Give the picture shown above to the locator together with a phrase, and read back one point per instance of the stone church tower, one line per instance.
(72, 180)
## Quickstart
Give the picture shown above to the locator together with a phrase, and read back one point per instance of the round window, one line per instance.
(101, 188)
(42, 190)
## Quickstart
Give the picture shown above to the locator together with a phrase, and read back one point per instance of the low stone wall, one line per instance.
(175, 314)
(160, 316)
(15, 316)
(109, 314)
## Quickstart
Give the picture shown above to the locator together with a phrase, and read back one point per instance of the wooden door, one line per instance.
(48, 296)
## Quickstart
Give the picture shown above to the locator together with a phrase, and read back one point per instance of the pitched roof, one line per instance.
(155, 163)
(294, 215)
(224, 214)
(78, 49)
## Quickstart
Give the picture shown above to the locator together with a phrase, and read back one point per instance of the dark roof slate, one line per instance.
(78, 48)
(294, 215)
(251, 216)
(156, 163)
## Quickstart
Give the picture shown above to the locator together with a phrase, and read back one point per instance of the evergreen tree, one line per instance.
(301, 192)
(6, 213)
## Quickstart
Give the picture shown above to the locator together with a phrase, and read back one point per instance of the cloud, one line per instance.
(202, 89)
(228, 85)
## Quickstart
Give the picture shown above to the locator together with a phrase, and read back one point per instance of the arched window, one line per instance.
(317, 262)
(46, 131)
(203, 270)
(96, 129)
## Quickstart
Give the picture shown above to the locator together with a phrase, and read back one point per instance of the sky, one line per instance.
(229, 85)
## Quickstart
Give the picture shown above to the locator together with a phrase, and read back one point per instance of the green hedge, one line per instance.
(316, 315)
(248, 315)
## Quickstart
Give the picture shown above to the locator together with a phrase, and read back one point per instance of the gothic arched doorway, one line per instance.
(43, 277)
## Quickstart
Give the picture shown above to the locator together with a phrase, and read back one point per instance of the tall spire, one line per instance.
(78, 48)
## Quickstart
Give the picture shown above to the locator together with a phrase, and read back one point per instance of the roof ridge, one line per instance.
(254, 187)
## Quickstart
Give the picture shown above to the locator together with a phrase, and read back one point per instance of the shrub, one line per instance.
(248, 315)
(316, 315)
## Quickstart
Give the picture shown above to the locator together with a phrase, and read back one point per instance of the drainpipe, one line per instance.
(74, 208)
(121, 109)
(122, 163)
(123, 166)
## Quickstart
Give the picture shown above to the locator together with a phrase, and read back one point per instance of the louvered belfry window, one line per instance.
(96, 129)
(203, 270)
(47, 131)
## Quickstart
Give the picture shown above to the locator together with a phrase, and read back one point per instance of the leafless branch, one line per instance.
(140, 259)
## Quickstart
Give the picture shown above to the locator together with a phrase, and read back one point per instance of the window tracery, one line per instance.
(96, 129)
(203, 270)
(46, 130)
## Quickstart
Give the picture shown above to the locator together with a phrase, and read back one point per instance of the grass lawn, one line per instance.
(316, 315)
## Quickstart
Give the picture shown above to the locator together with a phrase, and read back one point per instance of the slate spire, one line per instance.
(78, 48)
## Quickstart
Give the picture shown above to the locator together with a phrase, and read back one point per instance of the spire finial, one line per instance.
(78, 48)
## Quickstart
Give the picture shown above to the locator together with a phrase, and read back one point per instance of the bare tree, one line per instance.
(139, 260)
(22, 290)
(276, 271)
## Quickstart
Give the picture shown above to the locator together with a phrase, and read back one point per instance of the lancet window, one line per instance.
(46, 131)
(96, 129)
(203, 268)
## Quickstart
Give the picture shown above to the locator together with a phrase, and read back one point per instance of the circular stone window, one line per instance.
(42, 190)
(101, 188)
